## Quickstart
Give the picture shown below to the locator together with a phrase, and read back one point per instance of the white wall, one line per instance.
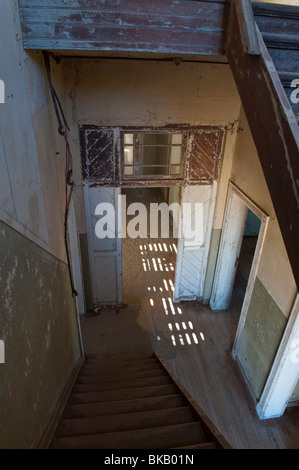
(21, 204)
(31, 173)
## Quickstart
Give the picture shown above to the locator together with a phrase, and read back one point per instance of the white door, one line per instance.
(197, 210)
(105, 254)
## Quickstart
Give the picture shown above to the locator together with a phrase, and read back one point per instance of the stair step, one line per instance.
(204, 445)
(123, 406)
(121, 384)
(125, 394)
(163, 437)
(132, 375)
(124, 422)
(104, 368)
(121, 362)
(96, 368)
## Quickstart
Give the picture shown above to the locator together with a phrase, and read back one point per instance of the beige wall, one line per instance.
(120, 92)
(274, 270)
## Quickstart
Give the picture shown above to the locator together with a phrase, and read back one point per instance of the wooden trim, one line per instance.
(168, 26)
(264, 218)
(275, 10)
(274, 129)
(210, 428)
(276, 383)
(247, 27)
(53, 423)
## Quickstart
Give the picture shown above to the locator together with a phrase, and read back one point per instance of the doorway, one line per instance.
(148, 263)
(244, 230)
(245, 258)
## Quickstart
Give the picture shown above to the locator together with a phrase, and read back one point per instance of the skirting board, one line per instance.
(52, 425)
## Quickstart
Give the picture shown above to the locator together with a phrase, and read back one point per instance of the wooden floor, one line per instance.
(195, 342)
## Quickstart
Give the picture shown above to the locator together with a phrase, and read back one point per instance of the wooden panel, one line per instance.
(260, 339)
(97, 155)
(164, 26)
(275, 132)
(101, 148)
(205, 154)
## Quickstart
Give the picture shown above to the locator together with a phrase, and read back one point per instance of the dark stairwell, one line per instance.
(132, 404)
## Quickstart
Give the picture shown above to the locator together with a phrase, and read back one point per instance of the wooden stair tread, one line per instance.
(117, 385)
(106, 369)
(125, 362)
(125, 421)
(132, 375)
(110, 395)
(153, 438)
(123, 406)
(204, 445)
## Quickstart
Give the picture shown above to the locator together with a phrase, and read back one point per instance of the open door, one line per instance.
(198, 204)
(104, 253)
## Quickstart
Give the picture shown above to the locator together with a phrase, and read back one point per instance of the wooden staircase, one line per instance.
(279, 27)
(262, 44)
(132, 404)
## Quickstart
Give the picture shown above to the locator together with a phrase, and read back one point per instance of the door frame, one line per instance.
(237, 198)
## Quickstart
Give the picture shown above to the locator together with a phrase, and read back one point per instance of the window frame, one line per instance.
(154, 177)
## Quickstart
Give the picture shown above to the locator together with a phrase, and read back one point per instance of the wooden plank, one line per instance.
(275, 132)
(117, 17)
(281, 11)
(247, 27)
(205, 156)
(177, 6)
(210, 429)
(168, 26)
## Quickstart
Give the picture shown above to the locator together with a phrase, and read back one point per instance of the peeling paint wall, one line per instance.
(40, 336)
(37, 313)
(128, 92)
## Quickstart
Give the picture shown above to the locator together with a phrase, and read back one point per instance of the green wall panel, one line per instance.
(39, 328)
(260, 339)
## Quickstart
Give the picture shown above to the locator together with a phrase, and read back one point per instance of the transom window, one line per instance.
(152, 155)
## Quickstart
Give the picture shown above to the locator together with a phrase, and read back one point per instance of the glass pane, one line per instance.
(175, 155)
(175, 170)
(128, 139)
(128, 170)
(177, 139)
(128, 155)
(151, 171)
(152, 139)
(152, 155)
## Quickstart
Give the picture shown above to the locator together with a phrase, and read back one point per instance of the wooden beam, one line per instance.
(247, 27)
(174, 27)
(274, 130)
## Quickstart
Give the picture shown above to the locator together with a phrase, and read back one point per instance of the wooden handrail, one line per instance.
(274, 129)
